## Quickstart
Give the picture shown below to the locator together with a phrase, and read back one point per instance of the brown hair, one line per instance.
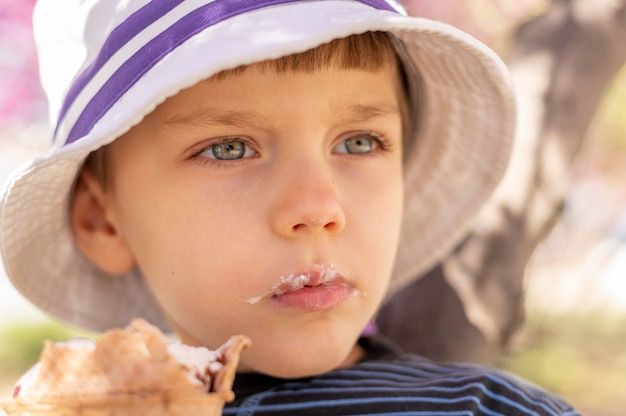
(367, 51)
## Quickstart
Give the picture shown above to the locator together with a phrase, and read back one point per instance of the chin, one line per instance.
(297, 369)
(293, 361)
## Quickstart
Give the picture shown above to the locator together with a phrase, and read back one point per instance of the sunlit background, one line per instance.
(574, 339)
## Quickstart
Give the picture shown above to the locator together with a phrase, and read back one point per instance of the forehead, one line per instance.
(226, 99)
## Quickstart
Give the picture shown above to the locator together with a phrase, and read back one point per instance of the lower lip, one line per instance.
(317, 298)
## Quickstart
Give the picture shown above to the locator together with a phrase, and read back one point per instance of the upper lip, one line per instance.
(308, 278)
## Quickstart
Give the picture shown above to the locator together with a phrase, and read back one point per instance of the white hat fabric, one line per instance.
(107, 64)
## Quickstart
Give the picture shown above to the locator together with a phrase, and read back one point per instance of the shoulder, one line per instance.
(405, 384)
(465, 386)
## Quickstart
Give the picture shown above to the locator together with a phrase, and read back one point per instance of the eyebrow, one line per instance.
(206, 116)
(359, 113)
(217, 117)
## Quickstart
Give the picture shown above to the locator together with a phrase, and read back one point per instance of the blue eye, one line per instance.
(228, 149)
(359, 144)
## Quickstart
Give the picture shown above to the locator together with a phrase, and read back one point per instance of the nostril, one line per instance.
(299, 227)
(332, 226)
(316, 223)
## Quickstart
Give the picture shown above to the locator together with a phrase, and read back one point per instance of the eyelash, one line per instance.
(196, 156)
(381, 144)
(380, 140)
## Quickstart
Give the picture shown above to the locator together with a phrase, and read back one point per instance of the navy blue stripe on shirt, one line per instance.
(296, 406)
(461, 382)
(402, 367)
(426, 390)
(402, 387)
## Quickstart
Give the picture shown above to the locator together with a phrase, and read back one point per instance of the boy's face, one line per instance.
(237, 192)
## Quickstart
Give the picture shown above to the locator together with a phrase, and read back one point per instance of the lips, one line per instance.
(301, 280)
(319, 288)
(315, 298)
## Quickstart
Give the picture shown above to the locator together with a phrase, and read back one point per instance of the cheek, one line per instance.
(385, 228)
(181, 229)
(383, 193)
(175, 242)
(375, 214)
(166, 228)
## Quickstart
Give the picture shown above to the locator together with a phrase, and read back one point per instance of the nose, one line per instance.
(307, 202)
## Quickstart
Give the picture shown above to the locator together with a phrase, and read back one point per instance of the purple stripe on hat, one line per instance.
(121, 35)
(151, 53)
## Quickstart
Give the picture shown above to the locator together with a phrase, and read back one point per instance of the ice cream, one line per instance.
(131, 371)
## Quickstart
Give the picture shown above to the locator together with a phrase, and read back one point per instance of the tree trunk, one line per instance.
(562, 62)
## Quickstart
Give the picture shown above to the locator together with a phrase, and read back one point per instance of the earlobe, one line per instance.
(96, 233)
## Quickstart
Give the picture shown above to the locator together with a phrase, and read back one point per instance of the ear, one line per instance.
(94, 227)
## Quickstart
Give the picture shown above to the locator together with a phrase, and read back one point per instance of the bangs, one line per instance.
(368, 51)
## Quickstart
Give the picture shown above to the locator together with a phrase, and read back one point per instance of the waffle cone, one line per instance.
(151, 404)
(128, 373)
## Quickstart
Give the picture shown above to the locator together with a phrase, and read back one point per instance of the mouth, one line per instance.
(315, 289)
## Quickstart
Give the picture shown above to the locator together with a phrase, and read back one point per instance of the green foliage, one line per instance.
(581, 358)
(611, 116)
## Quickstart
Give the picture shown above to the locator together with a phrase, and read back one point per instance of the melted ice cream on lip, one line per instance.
(316, 276)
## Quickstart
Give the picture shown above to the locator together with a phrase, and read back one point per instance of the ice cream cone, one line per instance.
(128, 372)
(151, 404)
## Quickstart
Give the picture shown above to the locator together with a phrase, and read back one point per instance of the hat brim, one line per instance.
(464, 139)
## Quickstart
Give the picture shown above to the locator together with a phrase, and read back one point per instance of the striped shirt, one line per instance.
(387, 383)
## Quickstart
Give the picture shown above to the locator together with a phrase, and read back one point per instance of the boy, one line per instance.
(271, 168)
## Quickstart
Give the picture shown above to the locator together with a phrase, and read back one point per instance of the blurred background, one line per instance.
(562, 323)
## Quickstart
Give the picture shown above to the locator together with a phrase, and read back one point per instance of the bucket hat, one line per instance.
(105, 64)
